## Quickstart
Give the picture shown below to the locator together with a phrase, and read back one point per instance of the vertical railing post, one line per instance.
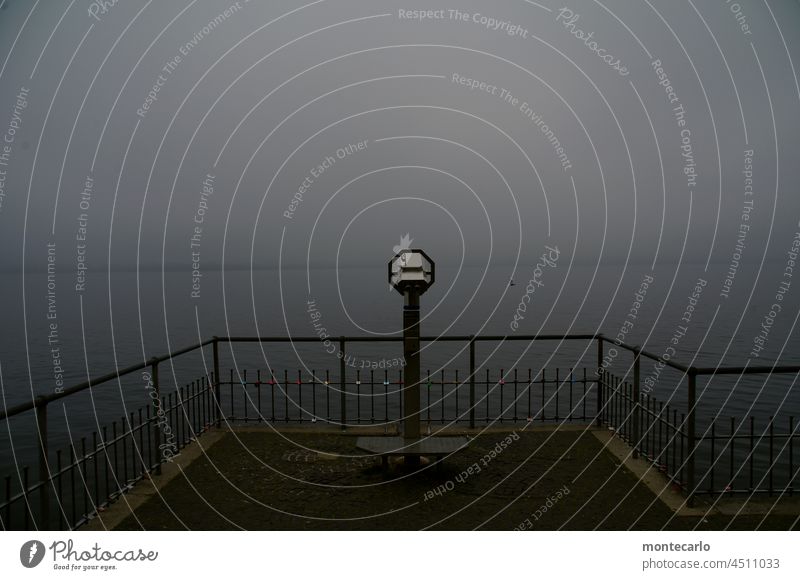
(600, 380)
(690, 435)
(159, 414)
(637, 407)
(342, 383)
(44, 469)
(472, 381)
(217, 390)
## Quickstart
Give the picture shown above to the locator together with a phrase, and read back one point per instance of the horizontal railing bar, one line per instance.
(650, 355)
(21, 495)
(748, 370)
(463, 338)
(181, 351)
(721, 491)
(758, 438)
(446, 338)
(45, 399)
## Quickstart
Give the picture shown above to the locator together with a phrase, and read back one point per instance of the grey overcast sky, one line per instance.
(287, 132)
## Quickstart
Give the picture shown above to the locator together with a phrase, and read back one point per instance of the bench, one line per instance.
(388, 446)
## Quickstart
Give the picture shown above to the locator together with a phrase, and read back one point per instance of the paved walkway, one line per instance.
(540, 479)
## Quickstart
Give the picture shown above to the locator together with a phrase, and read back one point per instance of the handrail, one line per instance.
(636, 350)
(466, 338)
(748, 370)
(43, 400)
(444, 338)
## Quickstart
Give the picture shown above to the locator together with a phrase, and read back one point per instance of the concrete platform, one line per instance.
(312, 479)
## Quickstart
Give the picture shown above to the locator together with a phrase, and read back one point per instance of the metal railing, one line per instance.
(376, 398)
(653, 429)
(84, 478)
(92, 472)
(642, 416)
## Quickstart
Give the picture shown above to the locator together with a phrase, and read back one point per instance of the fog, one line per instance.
(618, 132)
